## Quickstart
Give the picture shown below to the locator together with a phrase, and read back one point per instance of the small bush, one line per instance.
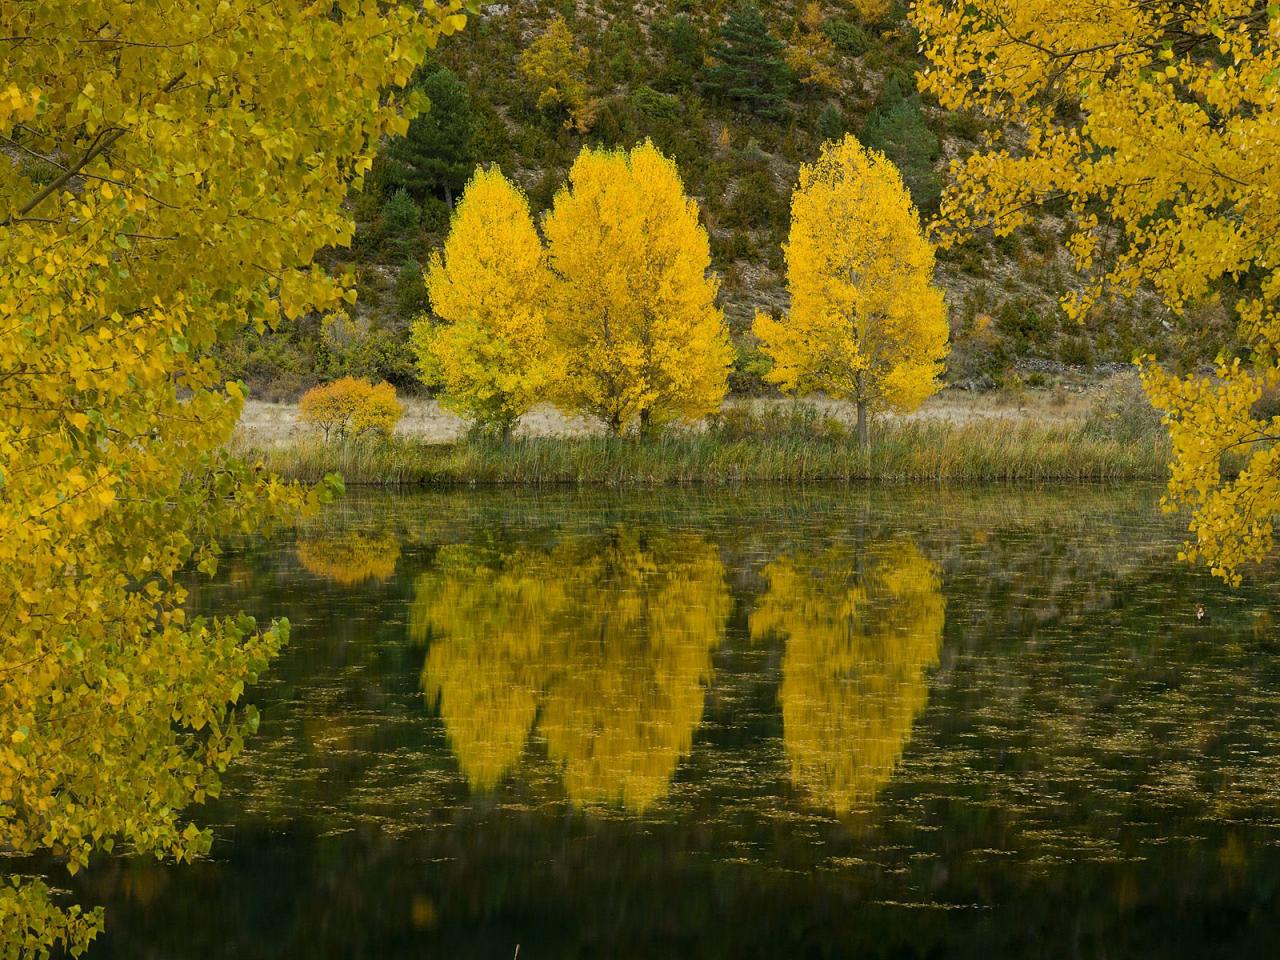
(351, 407)
(658, 106)
(411, 290)
(849, 37)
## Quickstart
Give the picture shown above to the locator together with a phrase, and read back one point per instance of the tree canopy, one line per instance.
(635, 321)
(436, 155)
(170, 171)
(866, 321)
(749, 68)
(1155, 124)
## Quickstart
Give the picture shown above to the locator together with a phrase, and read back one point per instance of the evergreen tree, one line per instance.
(897, 129)
(435, 157)
(831, 123)
(750, 68)
(683, 49)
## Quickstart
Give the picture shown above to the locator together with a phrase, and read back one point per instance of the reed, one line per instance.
(745, 448)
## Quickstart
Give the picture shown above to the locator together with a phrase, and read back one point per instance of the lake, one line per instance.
(776, 722)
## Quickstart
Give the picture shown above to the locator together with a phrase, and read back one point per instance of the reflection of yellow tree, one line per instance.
(861, 631)
(352, 558)
(631, 669)
(488, 624)
(612, 640)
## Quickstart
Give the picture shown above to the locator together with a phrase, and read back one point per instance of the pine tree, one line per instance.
(750, 68)
(436, 155)
(897, 129)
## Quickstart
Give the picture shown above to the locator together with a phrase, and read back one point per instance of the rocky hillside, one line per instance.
(739, 96)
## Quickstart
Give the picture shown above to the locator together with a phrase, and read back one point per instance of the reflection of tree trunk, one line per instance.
(863, 429)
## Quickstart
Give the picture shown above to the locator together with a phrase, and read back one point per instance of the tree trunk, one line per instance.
(645, 425)
(615, 425)
(864, 432)
(506, 431)
(448, 196)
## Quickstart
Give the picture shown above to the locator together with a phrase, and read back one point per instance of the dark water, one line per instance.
(782, 723)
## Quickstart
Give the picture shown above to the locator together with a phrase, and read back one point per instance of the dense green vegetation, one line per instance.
(739, 97)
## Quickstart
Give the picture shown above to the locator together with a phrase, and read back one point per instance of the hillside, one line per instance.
(739, 107)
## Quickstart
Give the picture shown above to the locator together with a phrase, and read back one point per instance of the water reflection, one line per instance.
(604, 644)
(861, 626)
(1093, 770)
(350, 558)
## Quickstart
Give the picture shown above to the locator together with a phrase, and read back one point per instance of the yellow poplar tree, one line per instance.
(635, 322)
(556, 66)
(1156, 124)
(489, 288)
(168, 173)
(811, 53)
(867, 323)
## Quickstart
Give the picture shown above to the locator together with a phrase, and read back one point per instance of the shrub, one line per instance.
(410, 290)
(351, 407)
(659, 106)
(849, 37)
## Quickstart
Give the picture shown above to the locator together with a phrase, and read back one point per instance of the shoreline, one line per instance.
(905, 452)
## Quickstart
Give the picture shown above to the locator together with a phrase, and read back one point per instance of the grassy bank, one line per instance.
(747, 452)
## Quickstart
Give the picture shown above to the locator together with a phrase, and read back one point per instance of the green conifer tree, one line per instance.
(750, 70)
(896, 128)
(436, 156)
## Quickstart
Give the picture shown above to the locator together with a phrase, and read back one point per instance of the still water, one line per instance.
(780, 723)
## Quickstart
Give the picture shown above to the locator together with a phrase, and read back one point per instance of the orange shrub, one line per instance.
(350, 407)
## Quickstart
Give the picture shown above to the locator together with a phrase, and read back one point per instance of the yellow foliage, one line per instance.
(861, 631)
(811, 54)
(489, 287)
(350, 407)
(351, 559)
(634, 320)
(555, 66)
(1171, 141)
(873, 11)
(867, 322)
(606, 645)
(199, 156)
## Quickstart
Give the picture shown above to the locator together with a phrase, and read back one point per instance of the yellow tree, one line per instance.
(811, 53)
(861, 631)
(556, 66)
(489, 288)
(867, 323)
(873, 11)
(169, 173)
(1156, 124)
(635, 321)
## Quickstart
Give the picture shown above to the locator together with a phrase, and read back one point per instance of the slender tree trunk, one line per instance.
(864, 432)
(615, 424)
(448, 196)
(506, 431)
(645, 424)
